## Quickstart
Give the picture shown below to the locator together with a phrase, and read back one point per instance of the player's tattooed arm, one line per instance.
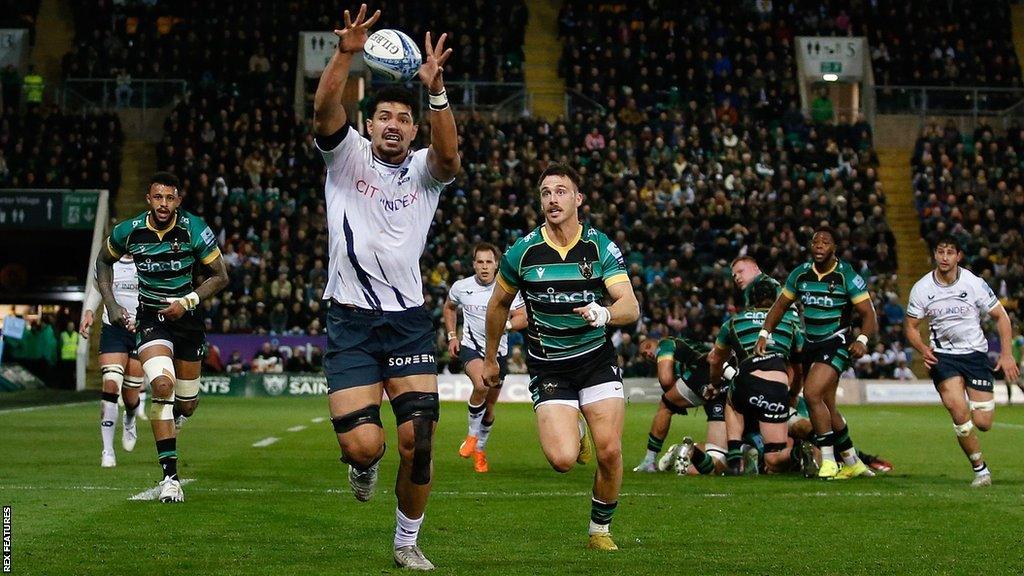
(328, 111)
(778, 310)
(105, 283)
(217, 281)
(443, 160)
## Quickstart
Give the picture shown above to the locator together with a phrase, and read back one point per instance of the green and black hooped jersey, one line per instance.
(686, 355)
(741, 330)
(553, 281)
(164, 258)
(827, 299)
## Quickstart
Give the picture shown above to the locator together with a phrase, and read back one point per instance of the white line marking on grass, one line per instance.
(318, 420)
(44, 407)
(154, 492)
(1007, 425)
(298, 428)
(265, 442)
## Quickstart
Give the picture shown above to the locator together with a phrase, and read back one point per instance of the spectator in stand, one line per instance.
(267, 360)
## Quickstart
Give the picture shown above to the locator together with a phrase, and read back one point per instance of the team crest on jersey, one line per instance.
(831, 286)
(175, 246)
(587, 269)
(402, 176)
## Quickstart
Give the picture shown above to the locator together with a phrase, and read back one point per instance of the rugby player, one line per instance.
(565, 269)
(120, 369)
(953, 301)
(472, 295)
(381, 198)
(828, 289)
(166, 244)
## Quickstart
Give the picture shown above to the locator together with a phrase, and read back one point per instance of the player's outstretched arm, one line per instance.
(775, 314)
(497, 316)
(328, 111)
(1011, 372)
(911, 329)
(214, 283)
(443, 154)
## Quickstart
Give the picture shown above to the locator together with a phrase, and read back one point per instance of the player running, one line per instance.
(472, 294)
(683, 373)
(564, 268)
(761, 389)
(953, 301)
(381, 199)
(828, 288)
(166, 244)
(120, 368)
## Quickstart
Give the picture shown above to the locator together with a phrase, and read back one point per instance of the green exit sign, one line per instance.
(831, 67)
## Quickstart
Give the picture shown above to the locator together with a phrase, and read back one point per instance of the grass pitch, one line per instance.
(285, 508)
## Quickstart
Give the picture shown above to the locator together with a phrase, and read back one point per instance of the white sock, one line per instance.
(828, 453)
(483, 433)
(582, 425)
(596, 528)
(108, 419)
(650, 457)
(850, 456)
(476, 416)
(406, 530)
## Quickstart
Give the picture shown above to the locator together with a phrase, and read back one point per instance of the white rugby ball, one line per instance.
(391, 54)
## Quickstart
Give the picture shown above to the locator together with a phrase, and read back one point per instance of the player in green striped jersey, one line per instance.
(761, 389)
(564, 270)
(166, 244)
(828, 289)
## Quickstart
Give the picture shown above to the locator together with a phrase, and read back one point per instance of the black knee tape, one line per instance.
(774, 447)
(672, 407)
(415, 405)
(367, 415)
(109, 397)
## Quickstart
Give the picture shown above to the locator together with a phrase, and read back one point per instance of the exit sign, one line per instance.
(831, 67)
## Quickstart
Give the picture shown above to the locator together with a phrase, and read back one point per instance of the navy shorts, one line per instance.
(366, 346)
(974, 368)
(116, 339)
(466, 354)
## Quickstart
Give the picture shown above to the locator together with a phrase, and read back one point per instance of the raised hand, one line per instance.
(352, 38)
(433, 67)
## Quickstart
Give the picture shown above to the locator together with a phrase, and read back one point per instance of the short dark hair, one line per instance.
(486, 247)
(559, 169)
(763, 293)
(164, 179)
(393, 94)
(825, 229)
(948, 240)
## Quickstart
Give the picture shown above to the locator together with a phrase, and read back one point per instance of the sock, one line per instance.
(483, 434)
(168, 453)
(735, 455)
(757, 441)
(601, 515)
(702, 462)
(826, 443)
(129, 413)
(108, 418)
(476, 415)
(176, 412)
(406, 529)
(654, 445)
(142, 403)
(978, 464)
(844, 445)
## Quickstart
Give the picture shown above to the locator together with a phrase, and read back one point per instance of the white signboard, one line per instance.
(13, 47)
(840, 55)
(316, 50)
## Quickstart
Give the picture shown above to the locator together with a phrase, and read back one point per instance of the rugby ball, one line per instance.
(392, 55)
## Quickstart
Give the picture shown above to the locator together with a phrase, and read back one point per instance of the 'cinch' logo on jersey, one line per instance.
(148, 265)
(566, 297)
(823, 301)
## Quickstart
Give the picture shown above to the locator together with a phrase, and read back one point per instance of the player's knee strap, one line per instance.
(134, 382)
(964, 430)
(159, 367)
(420, 408)
(367, 415)
(771, 447)
(161, 409)
(112, 373)
(672, 407)
(186, 389)
(986, 406)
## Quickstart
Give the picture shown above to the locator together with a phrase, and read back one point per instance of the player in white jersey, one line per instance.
(954, 301)
(381, 197)
(472, 295)
(119, 363)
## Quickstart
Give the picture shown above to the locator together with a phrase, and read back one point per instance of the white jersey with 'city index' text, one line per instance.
(954, 312)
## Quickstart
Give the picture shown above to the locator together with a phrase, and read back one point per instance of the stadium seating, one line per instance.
(970, 185)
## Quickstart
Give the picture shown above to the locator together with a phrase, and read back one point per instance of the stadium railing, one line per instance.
(574, 101)
(994, 105)
(507, 100)
(80, 94)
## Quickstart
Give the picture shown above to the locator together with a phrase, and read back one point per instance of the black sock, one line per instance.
(601, 512)
(168, 453)
(654, 443)
(843, 440)
(176, 412)
(735, 455)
